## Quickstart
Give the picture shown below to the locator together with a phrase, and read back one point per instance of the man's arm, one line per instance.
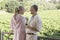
(38, 25)
(32, 28)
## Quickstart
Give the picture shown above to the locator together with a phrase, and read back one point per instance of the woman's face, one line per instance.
(21, 11)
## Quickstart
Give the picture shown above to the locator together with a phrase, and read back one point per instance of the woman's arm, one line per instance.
(11, 25)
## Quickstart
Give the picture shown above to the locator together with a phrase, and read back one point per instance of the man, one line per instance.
(34, 25)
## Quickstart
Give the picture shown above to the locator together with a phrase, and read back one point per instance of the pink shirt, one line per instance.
(18, 26)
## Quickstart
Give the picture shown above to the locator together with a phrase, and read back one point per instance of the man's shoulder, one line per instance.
(37, 17)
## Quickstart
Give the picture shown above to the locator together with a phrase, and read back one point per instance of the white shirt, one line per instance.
(35, 22)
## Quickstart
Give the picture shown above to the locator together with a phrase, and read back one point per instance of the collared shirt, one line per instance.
(35, 22)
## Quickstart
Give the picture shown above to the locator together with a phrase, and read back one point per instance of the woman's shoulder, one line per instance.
(20, 16)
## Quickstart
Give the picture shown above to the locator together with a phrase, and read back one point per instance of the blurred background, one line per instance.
(49, 11)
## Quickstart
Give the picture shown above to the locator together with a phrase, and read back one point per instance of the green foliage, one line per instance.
(58, 6)
(9, 6)
(2, 5)
(50, 20)
(51, 23)
(50, 17)
(43, 5)
(5, 21)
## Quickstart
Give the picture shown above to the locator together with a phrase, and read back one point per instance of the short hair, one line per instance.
(35, 7)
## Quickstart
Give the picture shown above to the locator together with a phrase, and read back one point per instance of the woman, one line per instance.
(18, 24)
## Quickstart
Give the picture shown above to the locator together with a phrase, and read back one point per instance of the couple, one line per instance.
(19, 24)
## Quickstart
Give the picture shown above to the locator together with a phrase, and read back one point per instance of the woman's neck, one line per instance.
(20, 13)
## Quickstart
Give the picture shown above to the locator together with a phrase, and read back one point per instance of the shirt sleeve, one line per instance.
(38, 23)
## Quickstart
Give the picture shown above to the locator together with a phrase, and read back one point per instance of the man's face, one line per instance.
(32, 10)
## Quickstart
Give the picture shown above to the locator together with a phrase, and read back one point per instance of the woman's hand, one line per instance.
(11, 31)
